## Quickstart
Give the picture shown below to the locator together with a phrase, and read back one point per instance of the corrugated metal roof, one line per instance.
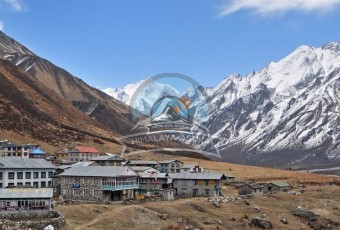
(169, 161)
(26, 193)
(142, 162)
(37, 151)
(22, 163)
(107, 158)
(82, 163)
(280, 184)
(197, 176)
(152, 175)
(99, 171)
(83, 149)
(142, 168)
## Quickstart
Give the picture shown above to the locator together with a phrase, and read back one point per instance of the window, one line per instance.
(43, 184)
(43, 174)
(177, 171)
(97, 192)
(20, 175)
(28, 175)
(50, 184)
(35, 184)
(28, 183)
(0, 175)
(207, 191)
(11, 175)
(172, 165)
(76, 192)
(35, 175)
(196, 182)
(86, 192)
(10, 184)
(0, 185)
(206, 182)
(50, 174)
(19, 184)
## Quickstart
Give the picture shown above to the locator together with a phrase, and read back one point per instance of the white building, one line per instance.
(17, 172)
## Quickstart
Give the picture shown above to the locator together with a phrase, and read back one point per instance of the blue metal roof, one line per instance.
(37, 151)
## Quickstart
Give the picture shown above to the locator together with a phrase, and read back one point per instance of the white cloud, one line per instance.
(264, 7)
(2, 26)
(15, 5)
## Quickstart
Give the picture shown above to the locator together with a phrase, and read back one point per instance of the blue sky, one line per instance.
(113, 43)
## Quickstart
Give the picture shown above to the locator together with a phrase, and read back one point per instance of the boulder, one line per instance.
(260, 223)
(305, 214)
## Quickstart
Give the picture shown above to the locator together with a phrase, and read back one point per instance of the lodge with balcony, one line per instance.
(98, 183)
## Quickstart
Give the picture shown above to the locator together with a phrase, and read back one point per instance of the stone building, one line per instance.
(109, 160)
(81, 153)
(276, 187)
(250, 189)
(152, 164)
(98, 183)
(197, 184)
(170, 166)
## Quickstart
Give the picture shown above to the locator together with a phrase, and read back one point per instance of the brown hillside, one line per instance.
(30, 109)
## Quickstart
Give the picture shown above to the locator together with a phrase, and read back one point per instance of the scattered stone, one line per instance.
(246, 217)
(220, 222)
(163, 216)
(307, 215)
(246, 202)
(264, 216)
(256, 209)
(180, 221)
(284, 221)
(96, 210)
(106, 206)
(260, 223)
(232, 218)
(208, 221)
(217, 204)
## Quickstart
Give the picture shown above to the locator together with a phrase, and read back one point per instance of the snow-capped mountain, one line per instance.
(285, 114)
(143, 97)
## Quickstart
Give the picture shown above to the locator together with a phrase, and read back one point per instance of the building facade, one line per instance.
(170, 166)
(7, 149)
(251, 189)
(98, 183)
(152, 164)
(18, 172)
(111, 160)
(197, 184)
(25, 199)
(80, 153)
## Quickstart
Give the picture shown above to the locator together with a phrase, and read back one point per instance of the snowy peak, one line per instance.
(289, 106)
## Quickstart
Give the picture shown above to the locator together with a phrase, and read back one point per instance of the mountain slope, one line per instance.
(28, 108)
(286, 114)
(89, 100)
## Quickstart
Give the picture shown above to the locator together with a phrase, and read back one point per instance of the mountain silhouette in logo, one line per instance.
(171, 109)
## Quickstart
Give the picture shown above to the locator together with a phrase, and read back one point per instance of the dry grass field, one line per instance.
(190, 213)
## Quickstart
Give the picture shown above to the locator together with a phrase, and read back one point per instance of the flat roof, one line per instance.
(99, 171)
(25, 163)
(113, 157)
(197, 176)
(12, 193)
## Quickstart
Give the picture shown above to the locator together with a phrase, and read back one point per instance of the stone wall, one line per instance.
(31, 220)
